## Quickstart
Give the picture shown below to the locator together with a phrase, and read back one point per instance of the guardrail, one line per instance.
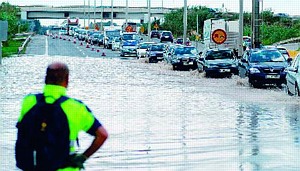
(292, 40)
(24, 44)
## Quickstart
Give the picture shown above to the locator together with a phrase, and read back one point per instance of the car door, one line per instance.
(243, 65)
(293, 75)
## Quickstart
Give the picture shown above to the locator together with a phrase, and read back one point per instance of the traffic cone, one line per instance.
(93, 48)
(81, 44)
(103, 54)
(98, 50)
(87, 45)
(69, 39)
(74, 41)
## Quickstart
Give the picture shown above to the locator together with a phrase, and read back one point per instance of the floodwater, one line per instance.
(159, 119)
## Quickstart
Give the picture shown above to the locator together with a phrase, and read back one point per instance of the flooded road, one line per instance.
(160, 119)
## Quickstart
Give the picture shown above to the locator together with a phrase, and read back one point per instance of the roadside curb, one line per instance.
(24, 44)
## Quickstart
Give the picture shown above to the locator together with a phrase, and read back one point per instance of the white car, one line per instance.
(141, 49)
(115, 44)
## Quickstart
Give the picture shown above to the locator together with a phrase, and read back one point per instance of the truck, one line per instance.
(231, 29)
(129, 27)
(109, 35)
(70, 23)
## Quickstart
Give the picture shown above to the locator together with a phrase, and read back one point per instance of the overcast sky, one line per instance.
(291, 7)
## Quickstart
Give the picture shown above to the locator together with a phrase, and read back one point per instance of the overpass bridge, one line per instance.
(50, 12)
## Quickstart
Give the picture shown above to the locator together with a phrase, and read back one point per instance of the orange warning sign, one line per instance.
(219, 36)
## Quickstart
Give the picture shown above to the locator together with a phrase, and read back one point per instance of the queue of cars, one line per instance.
(264, 66)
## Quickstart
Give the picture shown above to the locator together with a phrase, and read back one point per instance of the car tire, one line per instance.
(200, 70)
(174, 67)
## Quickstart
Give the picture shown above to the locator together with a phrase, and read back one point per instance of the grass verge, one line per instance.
(11, 48)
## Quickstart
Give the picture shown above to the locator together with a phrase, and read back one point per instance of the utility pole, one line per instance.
(149, 18)
(89, 15)
(94, 12)
(112, 13)
(84, 13)
(185, 22)
(255, 38)
(241, 29)
(101, 25)
(126, 20)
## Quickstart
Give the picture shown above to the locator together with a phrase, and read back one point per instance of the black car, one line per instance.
(154, 33)
(166, 36)
(184, 57)
(264, 66)
(218, 63)
(155, 52)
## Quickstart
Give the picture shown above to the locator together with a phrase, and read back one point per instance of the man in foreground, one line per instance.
(49, 124)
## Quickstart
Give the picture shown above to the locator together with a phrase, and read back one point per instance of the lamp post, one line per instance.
(101, 25)
(185, 22)
(84, 13)
(126, 20)
(94, 12)
(112, 13)
(149, 18)
(241, 27)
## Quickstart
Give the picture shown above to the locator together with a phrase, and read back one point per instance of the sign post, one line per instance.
(3, 35)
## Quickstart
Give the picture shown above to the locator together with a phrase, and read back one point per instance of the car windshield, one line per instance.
(186, 50)
(112, 33)
(157, 48)
(166, 34)
(130, 37)
(117, 39)
(221, 54)
(267, 56)
(144, 46)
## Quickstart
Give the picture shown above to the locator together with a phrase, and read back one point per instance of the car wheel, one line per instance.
(174, 67)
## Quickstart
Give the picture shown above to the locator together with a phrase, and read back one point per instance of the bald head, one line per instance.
(57, 74)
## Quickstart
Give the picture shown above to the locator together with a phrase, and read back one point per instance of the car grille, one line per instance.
(159, 55)
(223, 65)
(271, 70)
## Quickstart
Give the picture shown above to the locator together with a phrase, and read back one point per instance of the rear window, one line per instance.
(224, 54)
(166, 33)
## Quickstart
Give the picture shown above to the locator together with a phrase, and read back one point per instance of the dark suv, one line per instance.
(154, 33)
(264, 66)
(166, 36)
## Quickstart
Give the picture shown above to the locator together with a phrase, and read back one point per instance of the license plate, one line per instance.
(166, 36)
(272, 76)
(224, 70)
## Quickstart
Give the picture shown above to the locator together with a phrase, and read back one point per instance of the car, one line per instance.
(293, 77)
(180, 41)
(281, 49)
(218, 62)
(97, 39)
(264, 66)
(155, 33)
(155, 52)
(184, 57)
(128, 48)
(168, 52)
(166, 36)
(141, 49)
(62, 32)
(115, 44)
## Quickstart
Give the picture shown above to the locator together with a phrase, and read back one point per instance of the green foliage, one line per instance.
(273, 28)
(11, 48)
(9, 13)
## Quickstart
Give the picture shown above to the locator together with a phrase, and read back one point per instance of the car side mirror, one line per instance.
(290, 60)
(292, 69)
(200, 53)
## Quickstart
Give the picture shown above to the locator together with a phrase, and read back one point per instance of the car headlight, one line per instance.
(254, 70)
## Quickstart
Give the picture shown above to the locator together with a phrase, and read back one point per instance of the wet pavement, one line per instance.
(160, 119)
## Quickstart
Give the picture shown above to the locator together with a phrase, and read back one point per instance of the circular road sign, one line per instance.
(219, 36)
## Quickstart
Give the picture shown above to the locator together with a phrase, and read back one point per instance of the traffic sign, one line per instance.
(156, 26)
(142, 29)
(129, 28)
(219, 36)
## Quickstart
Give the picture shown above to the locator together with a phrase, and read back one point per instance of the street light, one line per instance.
(112, 13)
(149, 17)
(185, 21)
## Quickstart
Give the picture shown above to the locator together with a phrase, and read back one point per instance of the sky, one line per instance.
(291, 7)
